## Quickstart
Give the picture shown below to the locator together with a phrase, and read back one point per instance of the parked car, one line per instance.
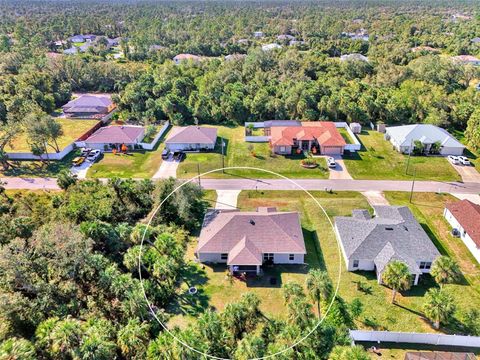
(165, 154)
(178, 156)
(94, 155)
(331, 162)
(453, 159)
(85, 151)
(79, 160)
(464, 160)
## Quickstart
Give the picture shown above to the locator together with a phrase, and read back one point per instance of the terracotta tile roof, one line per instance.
(468, 215)
(325, 132)
(247, 233)
(116, 135)
(192, 135)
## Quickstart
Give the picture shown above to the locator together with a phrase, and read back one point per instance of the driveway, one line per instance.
(375, 198)
(167, 169)
(468, 173)
(227, 199)
(81, 171)
(340, 171)
(472, 197)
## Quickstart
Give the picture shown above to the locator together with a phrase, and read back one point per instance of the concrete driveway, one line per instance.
(339, 172)
(468, 173)
(227, 199)
(81, 171)
(167, 169)
(375, 198)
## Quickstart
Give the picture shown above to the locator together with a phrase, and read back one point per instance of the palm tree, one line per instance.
(348, 353)
(439, 306)
(292, 290)
(14, 348)
(319, 287)
(299, 312)
(445, 270)
(397, 277)
(132, 339)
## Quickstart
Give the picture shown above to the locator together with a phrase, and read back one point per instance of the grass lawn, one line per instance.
(72, 130)
(345, 135)
(239, 154)
(378, 160)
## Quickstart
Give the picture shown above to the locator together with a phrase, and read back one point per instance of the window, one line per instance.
(291, 257)
(267, 257)
(425, 265)
(282, 149)
(224, 256)
(355, 263)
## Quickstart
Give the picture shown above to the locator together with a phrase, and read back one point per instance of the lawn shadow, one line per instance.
(434, 239)
(314, 257)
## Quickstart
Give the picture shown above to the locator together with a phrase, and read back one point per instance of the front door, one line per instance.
(305, 144)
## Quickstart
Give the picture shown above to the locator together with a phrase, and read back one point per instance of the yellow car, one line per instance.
(78, 161)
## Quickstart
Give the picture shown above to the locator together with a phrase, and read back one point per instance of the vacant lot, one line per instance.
(72, 130)
(378, 160)
(39, 169)
(240, 153)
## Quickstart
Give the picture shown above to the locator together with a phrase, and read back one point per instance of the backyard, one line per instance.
(240, 153)
(378, 160)
(215, 290)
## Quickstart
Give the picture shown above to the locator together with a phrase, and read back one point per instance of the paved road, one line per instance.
(277, 184)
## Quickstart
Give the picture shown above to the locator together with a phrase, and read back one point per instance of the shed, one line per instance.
(356, 128)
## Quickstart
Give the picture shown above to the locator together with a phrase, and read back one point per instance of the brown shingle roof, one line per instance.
(263, 231)
(192, 135)
(325, 132)
(468, 215)
(438, 355)
(116, 135)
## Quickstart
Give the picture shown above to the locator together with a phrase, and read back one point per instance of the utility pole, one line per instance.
(198, 171)
(413, 183)
(409, 154)
(223, 156)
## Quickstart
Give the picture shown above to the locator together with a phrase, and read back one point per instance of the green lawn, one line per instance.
(345, 135)
(72, 130)
(239, 153)
(378, 160)
(323, 252)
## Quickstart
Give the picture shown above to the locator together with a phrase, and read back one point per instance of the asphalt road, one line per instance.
(279, 184)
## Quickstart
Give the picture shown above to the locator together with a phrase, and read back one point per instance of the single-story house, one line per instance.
(370, 243)
(272, 46)
(258, 34)
(246, 240)
(464, 216)
(466, 60)
(438, 355)
(353, 57)
(321, 137)
(89, 106)
(191, 138)
(428, 49)
(114, 137)
(185, 57)
(404, 137)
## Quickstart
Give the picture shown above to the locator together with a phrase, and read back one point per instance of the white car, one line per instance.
(331, 162)
(85, 151)
(453, 159)
(94, 155)
(464, 160)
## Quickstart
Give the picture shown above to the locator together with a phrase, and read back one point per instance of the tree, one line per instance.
(397, 277)
(445, 270)
(132, 339)
(43, 131)
(472, 134)
(348, 353)
(15, 348)
(65, 179)
(438, 306)
(319, 287)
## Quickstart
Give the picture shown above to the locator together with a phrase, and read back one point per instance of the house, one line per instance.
(114, 137)
(285, 37)
(403, 138)
(258, 34)
(71, 51)
(191, 138)
(438, 355)
(370, 243)
(465, 217)
(246, 240)
(428, 49)
(186, 57)
(466, 60)
(353, 57)
(235, 57)
(89, 106)
(77, 39)
(356, 128)
(475, 40)
(272, 46)
(321, 137)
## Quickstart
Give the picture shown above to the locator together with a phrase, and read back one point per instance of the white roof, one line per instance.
(269, 47)
(427, 133)
(354, 56)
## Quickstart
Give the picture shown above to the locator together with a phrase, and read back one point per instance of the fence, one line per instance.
(257, 138)
(50, 156)
(356, 146)
(150, 146)
(415, 338)
(256, 125)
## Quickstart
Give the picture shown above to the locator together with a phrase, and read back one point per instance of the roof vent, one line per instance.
(252, 222)
(389, 228)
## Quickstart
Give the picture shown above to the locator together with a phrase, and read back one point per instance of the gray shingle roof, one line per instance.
(392, 234)
(88, 104)
(192, 135)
